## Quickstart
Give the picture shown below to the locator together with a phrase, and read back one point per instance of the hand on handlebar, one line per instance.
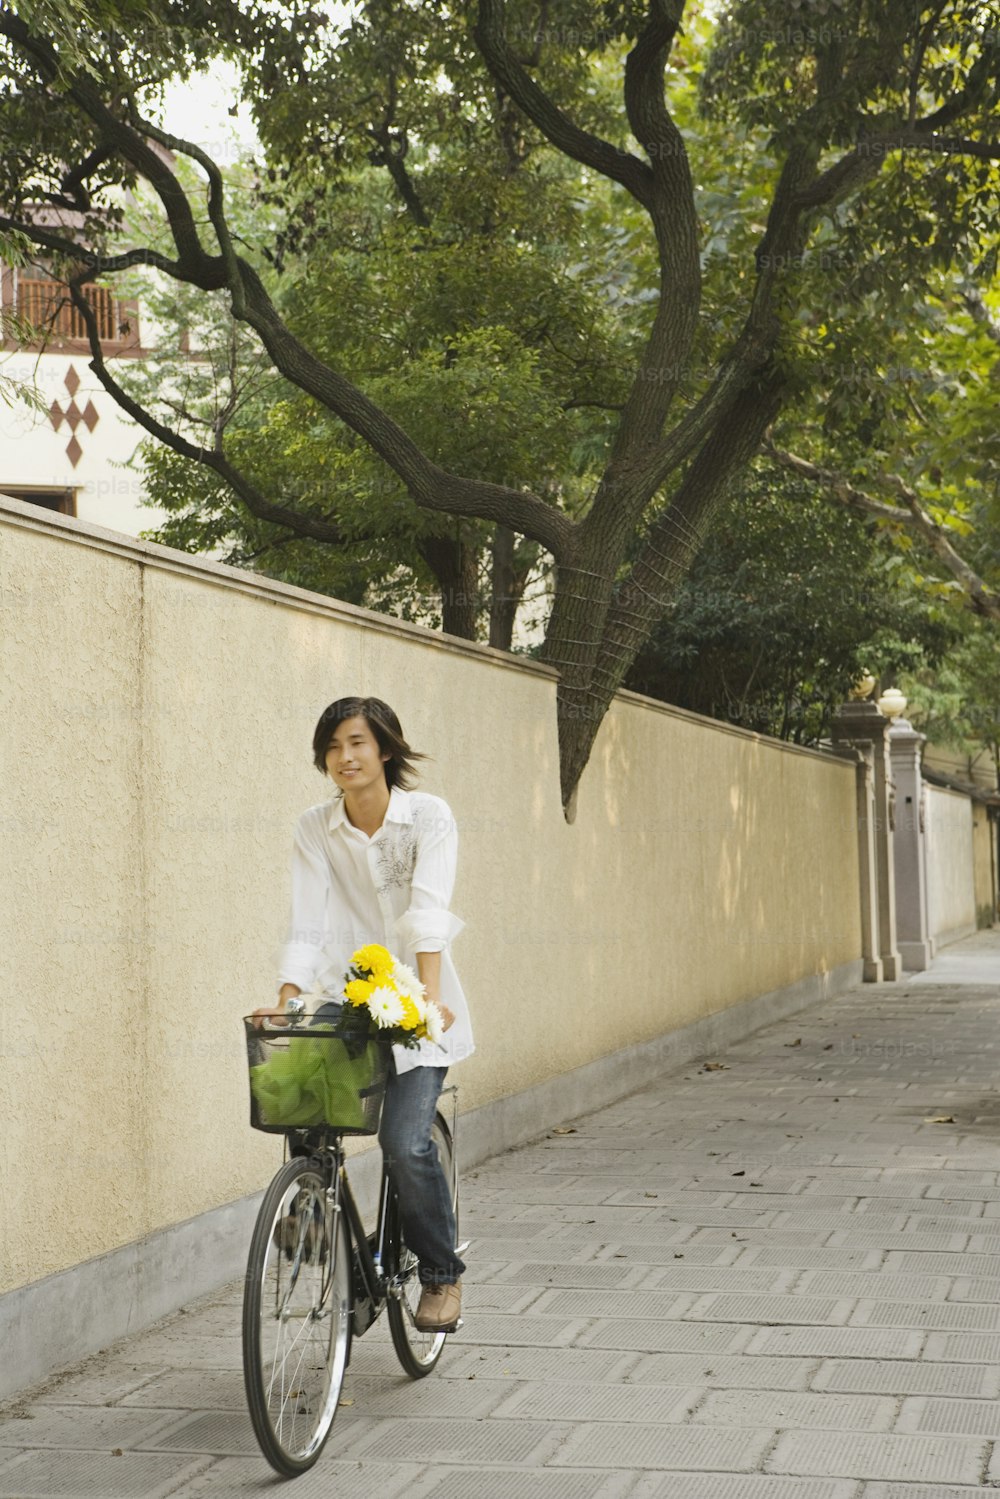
(275, 1017)
(292, 1005)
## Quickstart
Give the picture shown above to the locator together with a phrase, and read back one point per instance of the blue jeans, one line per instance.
(416, 1173)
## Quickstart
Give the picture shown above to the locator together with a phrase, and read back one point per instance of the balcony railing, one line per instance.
(47, 305)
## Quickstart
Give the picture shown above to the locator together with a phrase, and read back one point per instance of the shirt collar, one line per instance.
(398, 810)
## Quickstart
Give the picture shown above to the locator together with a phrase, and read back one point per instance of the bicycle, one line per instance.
(315, 1278)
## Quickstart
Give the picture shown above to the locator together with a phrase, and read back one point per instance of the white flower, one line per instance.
(406, 981)
(385, 1006)
(435, 1023)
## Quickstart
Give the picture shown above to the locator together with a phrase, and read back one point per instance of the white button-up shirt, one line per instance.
(393, 888)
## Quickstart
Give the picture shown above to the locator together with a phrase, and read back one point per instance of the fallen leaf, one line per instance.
(650, 1194)
(564, 1130)
(117, 1452)
(716, 1067)
(796, 1042)
(346, 1401)
(738, 1173)
(940, 1119)
(828, 1046)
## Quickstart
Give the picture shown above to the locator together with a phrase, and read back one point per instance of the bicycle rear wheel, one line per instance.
(417, 1351)
(296, 1318)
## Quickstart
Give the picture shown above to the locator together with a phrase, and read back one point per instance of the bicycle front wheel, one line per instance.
(296, 1318)
(417, 1351)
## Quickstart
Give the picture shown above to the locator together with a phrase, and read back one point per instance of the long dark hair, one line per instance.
(400, 769)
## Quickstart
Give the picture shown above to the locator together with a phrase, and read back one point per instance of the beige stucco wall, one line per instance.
(984, 834)
(157, 718)
(951, 896)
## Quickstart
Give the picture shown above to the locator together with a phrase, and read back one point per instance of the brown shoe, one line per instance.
(440, 1308)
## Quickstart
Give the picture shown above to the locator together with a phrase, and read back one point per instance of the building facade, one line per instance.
(72, 449)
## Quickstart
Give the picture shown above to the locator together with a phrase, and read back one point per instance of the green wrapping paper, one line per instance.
(314, 1081)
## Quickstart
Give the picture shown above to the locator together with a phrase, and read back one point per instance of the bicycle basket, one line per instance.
(305, 1077)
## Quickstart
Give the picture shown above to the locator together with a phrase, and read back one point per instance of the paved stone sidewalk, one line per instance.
(774, 1275)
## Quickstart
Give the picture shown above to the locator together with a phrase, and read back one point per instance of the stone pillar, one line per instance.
(916, 945)
(864, 791)
(862, 727)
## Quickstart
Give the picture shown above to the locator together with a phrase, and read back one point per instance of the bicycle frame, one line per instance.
(370, 1297)
(371, 1287)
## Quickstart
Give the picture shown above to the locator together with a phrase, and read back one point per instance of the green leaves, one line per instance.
(785, 604)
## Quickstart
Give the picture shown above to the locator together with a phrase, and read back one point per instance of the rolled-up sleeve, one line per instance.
(428, 925)
(302, 953)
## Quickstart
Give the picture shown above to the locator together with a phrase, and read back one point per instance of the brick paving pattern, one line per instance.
(774, 1279)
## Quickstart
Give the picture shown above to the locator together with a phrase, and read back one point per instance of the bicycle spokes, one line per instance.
(296, 1319)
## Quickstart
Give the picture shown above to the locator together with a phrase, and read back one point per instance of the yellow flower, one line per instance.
(375, 960)
(411, 1015)
(358, 991)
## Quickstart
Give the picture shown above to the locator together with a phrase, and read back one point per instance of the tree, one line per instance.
(494, 358)
(875, 111)
(787, 604)
(957, 703)
(902, 429)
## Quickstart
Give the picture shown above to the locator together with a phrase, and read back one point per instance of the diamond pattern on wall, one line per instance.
(89, 416)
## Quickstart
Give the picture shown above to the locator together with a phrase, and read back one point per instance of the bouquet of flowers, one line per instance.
(322, 1074)
(386, 1002)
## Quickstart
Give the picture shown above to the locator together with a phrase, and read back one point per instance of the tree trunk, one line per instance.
(506, 595)
(623, 619)
(455, 564)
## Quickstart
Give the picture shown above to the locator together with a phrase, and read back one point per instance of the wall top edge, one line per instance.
(935, 789)
(22, 514)
(828, 757)
(205, 570)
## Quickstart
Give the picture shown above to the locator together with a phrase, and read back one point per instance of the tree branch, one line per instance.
(871, 150)
(97, 265)
(671, 207)
(73, 194)
(974, 305)
(120, 137)
(432, 487)
(216, 203)
(868, 156)
(747, 359)
(648, 116)
(982, 599)
(393, 145)
(212, 458)
(590, 150)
